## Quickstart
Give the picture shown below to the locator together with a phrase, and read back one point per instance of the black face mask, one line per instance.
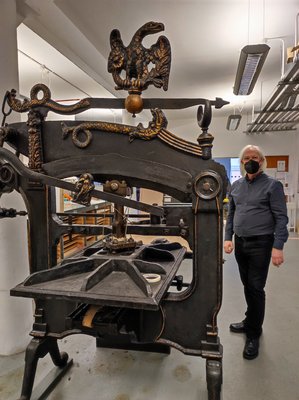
(252, 166)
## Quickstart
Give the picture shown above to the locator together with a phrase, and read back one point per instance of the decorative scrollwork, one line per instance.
(7, 178)
(158, 123)
(35, 151)
(7, 174)
(204, 116)
(205, 140)
(155, 126)
(135, 58)
(45, 101)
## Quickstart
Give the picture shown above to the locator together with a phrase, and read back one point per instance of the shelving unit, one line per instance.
(281, 112)
(71, 244)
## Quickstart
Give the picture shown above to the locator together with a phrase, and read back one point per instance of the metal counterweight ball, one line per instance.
(134, 103)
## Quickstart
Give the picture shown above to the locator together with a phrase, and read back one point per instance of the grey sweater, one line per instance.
(257, 207)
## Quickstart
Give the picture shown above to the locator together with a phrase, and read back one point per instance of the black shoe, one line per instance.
(251, 349)
(238, 327)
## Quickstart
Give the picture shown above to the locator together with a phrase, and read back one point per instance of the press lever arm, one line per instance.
(10, 213)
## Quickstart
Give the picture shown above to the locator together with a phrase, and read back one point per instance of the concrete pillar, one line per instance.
(15, 313)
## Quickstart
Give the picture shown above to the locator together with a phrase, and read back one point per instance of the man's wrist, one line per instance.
(278, 244)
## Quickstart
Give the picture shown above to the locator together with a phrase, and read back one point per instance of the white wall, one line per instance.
(15, 313)
(229, 143)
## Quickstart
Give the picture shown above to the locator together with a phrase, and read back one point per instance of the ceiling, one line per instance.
(206, 37)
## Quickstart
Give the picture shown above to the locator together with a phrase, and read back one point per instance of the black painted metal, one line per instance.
(130, 312)
(39, 348)
(109, 279)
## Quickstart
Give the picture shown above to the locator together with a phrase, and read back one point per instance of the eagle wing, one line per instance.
(161, 56)
(117, 56)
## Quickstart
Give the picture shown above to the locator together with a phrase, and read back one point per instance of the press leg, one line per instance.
(214, 379)
(59, 359)
(36, 349)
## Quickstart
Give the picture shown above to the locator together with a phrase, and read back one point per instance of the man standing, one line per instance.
(258, 220)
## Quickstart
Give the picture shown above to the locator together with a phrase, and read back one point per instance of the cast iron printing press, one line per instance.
(118, 289)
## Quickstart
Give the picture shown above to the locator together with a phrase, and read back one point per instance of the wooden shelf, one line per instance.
(70, 245)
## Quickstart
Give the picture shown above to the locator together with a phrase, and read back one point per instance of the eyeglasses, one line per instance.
(247, 158)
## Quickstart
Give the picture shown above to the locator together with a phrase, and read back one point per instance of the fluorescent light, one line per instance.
(233, 122)
(251, 61)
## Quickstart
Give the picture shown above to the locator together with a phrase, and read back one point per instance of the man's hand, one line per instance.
(277, 257)
(229, 246)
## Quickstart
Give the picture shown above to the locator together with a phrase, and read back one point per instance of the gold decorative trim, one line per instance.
(179, 143)
(45, 101)
(155, 126)
(35, 151)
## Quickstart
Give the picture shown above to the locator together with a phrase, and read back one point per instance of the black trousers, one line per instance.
(253, 255)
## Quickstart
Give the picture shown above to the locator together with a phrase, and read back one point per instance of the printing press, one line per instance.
(123, 292)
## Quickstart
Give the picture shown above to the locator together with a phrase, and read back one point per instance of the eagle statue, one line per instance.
(135, 60)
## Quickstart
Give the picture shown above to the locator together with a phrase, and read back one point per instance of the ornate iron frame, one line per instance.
(149, 157)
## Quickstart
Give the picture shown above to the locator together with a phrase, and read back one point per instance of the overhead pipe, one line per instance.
(282, 52)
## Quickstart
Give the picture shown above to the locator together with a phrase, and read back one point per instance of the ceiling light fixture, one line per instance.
(233, 122)
(251, 61)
